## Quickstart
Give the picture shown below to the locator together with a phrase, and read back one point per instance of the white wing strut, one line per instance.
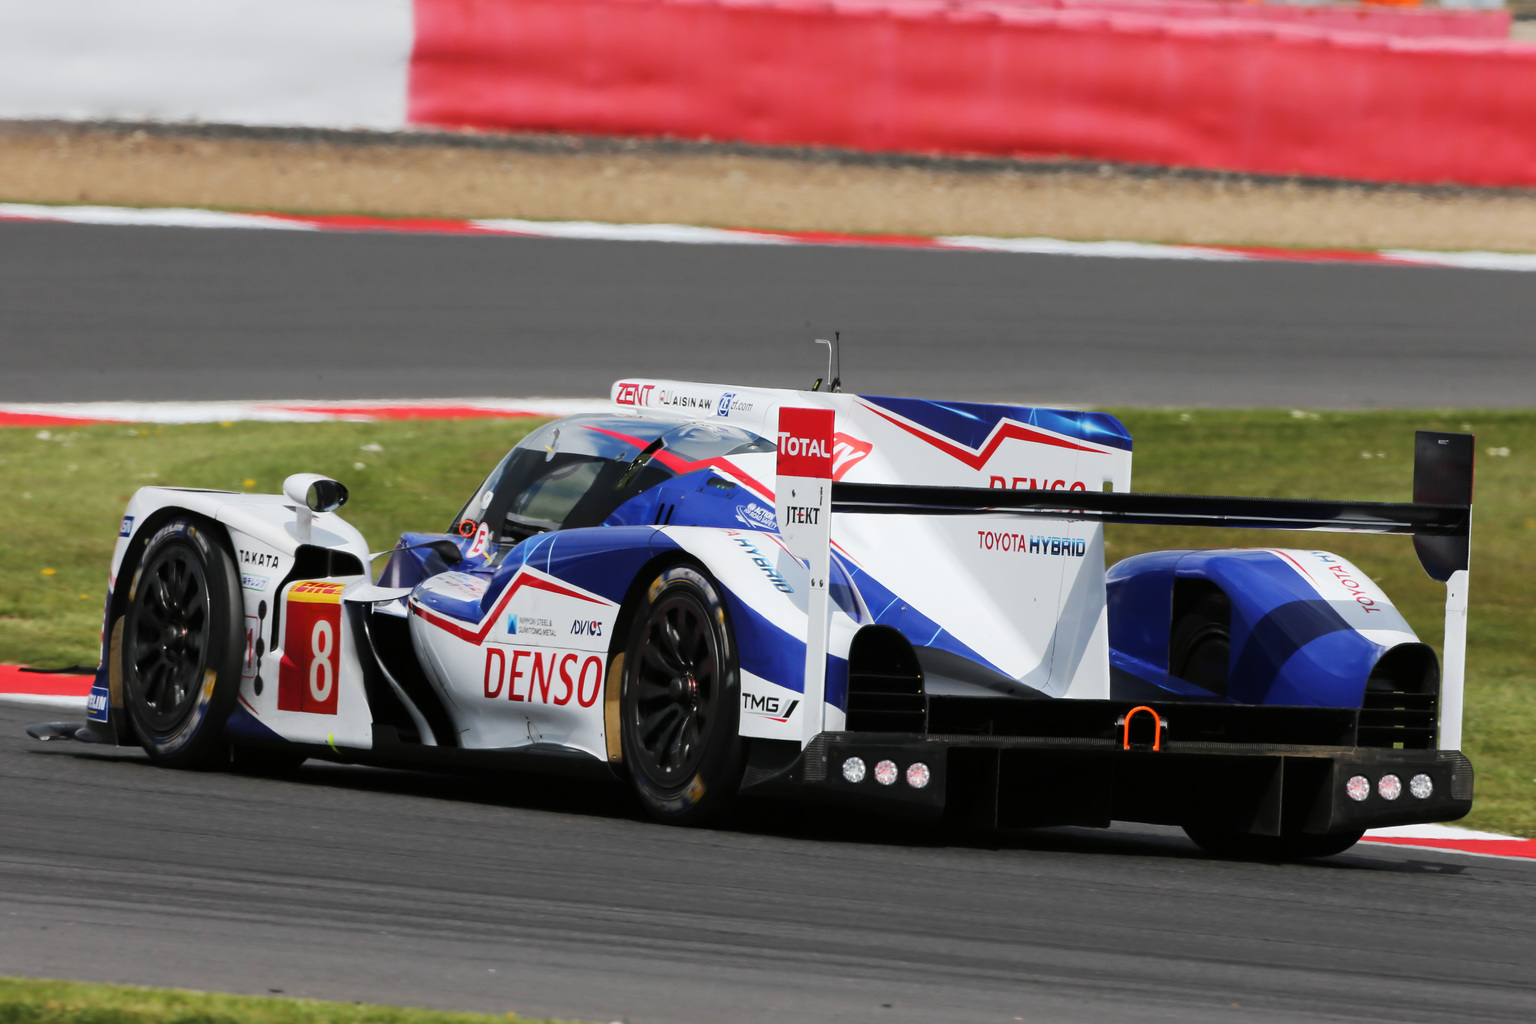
(803, 503)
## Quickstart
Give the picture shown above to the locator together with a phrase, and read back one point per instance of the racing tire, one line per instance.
(1200, 644)
(680, 701)
(182, 646)
(1230, 845)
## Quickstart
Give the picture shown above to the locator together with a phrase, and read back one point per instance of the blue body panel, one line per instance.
(1288, 645)
(970, 423)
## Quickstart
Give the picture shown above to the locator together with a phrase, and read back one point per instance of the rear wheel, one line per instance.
(681, 699)
(1200, 643)
(1245, 846)
(182, 646)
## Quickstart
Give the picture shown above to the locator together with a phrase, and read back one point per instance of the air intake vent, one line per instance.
(885, 684)
(1401, 700)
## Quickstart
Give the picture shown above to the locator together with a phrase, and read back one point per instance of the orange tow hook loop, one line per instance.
(1157, 728)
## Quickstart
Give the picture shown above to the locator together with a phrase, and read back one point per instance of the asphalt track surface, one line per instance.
(520, 894)
(102, 313)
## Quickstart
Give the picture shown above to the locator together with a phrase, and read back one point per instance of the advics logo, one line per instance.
(586, 627)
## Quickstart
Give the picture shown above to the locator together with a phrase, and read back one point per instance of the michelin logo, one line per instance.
(96, 704)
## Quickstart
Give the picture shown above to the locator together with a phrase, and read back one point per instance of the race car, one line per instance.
(901, 603)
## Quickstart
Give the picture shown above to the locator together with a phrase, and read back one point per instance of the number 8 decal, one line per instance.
(320, 645)
(309, 678)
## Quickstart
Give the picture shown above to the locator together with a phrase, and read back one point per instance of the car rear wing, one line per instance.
(1439, 519)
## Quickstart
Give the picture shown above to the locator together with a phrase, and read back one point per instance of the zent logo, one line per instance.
(307, 677)
(634, 394)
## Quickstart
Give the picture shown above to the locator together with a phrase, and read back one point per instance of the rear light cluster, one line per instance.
(1389, 787)
(887, 772)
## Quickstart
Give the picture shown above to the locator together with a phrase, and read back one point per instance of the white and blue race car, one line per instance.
(710, 591)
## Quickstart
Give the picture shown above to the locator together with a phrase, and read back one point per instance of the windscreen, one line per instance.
(576, 472)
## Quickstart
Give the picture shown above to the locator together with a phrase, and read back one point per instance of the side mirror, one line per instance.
(447, 550)
(315, 492)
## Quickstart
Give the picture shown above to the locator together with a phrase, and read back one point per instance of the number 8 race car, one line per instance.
(903, 603)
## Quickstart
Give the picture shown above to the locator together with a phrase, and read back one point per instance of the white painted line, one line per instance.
(686, 234)
(1430, 831)
(163, 218)
(600, 231)
(44, 700)
(1114, 250)
(297, 412)
(1466, 260)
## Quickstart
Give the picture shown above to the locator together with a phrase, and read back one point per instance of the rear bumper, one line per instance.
(1013, 782)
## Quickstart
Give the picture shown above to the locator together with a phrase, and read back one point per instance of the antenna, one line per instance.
(834, 361)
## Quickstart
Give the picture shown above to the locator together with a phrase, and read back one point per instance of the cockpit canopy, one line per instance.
(578, 471)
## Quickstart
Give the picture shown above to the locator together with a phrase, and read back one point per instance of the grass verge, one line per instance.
(32, 1001)
(67, 489)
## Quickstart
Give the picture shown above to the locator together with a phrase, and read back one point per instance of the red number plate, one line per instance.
(307, 680)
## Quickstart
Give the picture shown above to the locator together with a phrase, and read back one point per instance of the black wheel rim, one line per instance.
(169, 636)
(678, 689)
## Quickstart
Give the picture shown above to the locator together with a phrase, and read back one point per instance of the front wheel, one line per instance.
(680, 705)
(182, 646)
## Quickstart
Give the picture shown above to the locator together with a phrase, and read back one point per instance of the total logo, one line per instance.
(529, 625)
(586, 627)
(806, 447)
(771, 708)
